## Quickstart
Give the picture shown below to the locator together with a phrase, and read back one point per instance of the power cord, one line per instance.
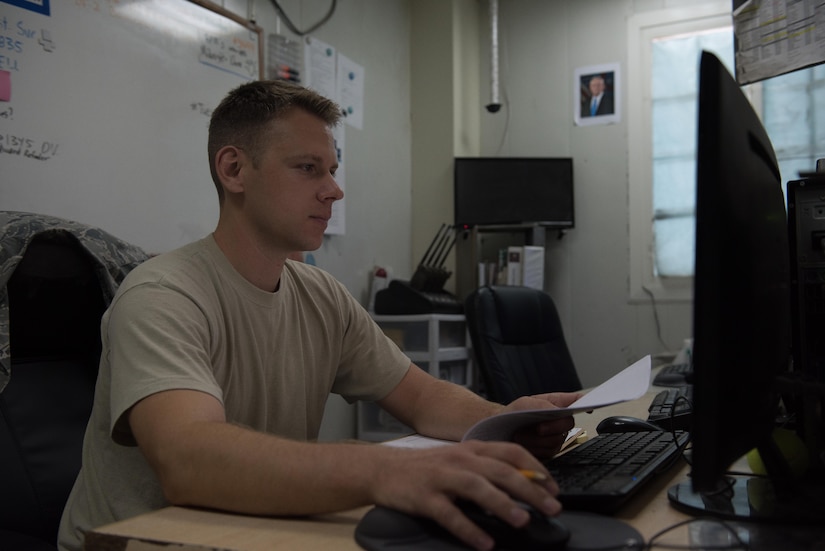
(737, 542)
(655, 316)
(652, 543)
(294, 29)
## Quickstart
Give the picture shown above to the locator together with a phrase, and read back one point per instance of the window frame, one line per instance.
(642, 29)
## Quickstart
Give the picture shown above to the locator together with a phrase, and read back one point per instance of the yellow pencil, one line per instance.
(533, 475)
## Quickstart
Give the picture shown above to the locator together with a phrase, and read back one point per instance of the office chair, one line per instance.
(518, 343)
(55, 306)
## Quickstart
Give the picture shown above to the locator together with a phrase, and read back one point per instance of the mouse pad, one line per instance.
(382, 529)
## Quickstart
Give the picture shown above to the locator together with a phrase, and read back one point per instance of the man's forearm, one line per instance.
(442, 409)
(232, 468)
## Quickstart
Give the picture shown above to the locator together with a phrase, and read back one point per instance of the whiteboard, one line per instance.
(107, 111)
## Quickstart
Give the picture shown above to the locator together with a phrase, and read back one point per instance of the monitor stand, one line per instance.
(754, 498)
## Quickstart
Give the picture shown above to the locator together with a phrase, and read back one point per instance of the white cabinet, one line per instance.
(437, 343)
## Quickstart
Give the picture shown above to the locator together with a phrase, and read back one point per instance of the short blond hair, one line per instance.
(243, 117)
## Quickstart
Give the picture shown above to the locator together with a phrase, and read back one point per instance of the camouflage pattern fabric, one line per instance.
(114, 259)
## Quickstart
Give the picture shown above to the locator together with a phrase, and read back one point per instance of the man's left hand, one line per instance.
(544, 439)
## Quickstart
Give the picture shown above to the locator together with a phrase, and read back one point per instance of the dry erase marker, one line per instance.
(535, 476)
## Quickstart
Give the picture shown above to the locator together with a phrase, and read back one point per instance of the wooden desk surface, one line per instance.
(197, 530)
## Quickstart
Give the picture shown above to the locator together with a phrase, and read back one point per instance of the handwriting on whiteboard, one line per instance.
(232, 54)
(38, 150)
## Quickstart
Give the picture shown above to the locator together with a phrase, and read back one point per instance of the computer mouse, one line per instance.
(541, 533)
(623, 423)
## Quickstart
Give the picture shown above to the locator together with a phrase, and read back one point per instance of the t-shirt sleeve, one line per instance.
(158, 340)
(372, 365)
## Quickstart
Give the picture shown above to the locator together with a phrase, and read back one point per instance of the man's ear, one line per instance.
(229, 164)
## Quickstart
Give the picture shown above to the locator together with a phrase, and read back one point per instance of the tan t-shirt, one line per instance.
(188, 320)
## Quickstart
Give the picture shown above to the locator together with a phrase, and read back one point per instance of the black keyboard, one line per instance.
(603, 473)
(673, 375)
(671, 408)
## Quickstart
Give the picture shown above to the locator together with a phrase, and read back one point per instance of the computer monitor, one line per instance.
(513, 190)
(741, 313)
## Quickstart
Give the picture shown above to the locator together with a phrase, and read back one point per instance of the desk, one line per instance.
(197, 530)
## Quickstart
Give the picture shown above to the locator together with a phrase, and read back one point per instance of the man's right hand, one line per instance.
(428, 482)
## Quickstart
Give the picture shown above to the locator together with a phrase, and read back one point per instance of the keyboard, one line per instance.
(600, 475)
(669, 411)
(675, 374)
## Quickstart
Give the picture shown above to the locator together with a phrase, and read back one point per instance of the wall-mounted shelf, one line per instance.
(482, 243)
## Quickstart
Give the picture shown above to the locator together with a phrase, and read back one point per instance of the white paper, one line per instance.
(419, 442)
(319, 61)
(351, 91)
(532, 270)
(631, 383)
(777, 37)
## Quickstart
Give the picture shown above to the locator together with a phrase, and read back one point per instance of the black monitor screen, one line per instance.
(741, 309)
(741, 323)
(514, 190)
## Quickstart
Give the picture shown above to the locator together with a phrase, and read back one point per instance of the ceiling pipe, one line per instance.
(494, 104)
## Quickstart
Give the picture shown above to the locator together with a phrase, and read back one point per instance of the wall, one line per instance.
(444, 110)
(542, 43)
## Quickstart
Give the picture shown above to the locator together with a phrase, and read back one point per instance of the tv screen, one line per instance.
(741, 313)
(514, 190)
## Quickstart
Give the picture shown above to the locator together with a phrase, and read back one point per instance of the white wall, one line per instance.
(542, 43)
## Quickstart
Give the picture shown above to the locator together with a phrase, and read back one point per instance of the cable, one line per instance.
(294, 29)
(655, 316)
(737, 544)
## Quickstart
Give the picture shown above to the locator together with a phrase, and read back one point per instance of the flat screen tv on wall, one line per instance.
(514, 190)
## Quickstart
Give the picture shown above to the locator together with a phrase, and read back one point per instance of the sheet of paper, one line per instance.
(573, 437)
(319, 61)
(629, 384)
(351, 91)
(416, 441)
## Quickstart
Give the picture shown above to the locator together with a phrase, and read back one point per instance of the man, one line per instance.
(600, 101)
(218, 359)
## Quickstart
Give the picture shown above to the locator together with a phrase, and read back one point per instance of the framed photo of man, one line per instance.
(597, 95)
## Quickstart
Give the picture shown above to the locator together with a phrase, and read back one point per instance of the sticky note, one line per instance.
(5, 86)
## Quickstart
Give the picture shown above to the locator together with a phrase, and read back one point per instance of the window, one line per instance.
(674, 81)
(793, 111)
(663, 77)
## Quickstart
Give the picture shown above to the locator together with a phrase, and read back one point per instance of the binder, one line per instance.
(514, 265)
(532, 271)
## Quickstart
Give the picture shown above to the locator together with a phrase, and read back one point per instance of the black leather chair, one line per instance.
(55, 306)
(518, 343)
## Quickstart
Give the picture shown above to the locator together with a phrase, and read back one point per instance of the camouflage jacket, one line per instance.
(114, 258)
